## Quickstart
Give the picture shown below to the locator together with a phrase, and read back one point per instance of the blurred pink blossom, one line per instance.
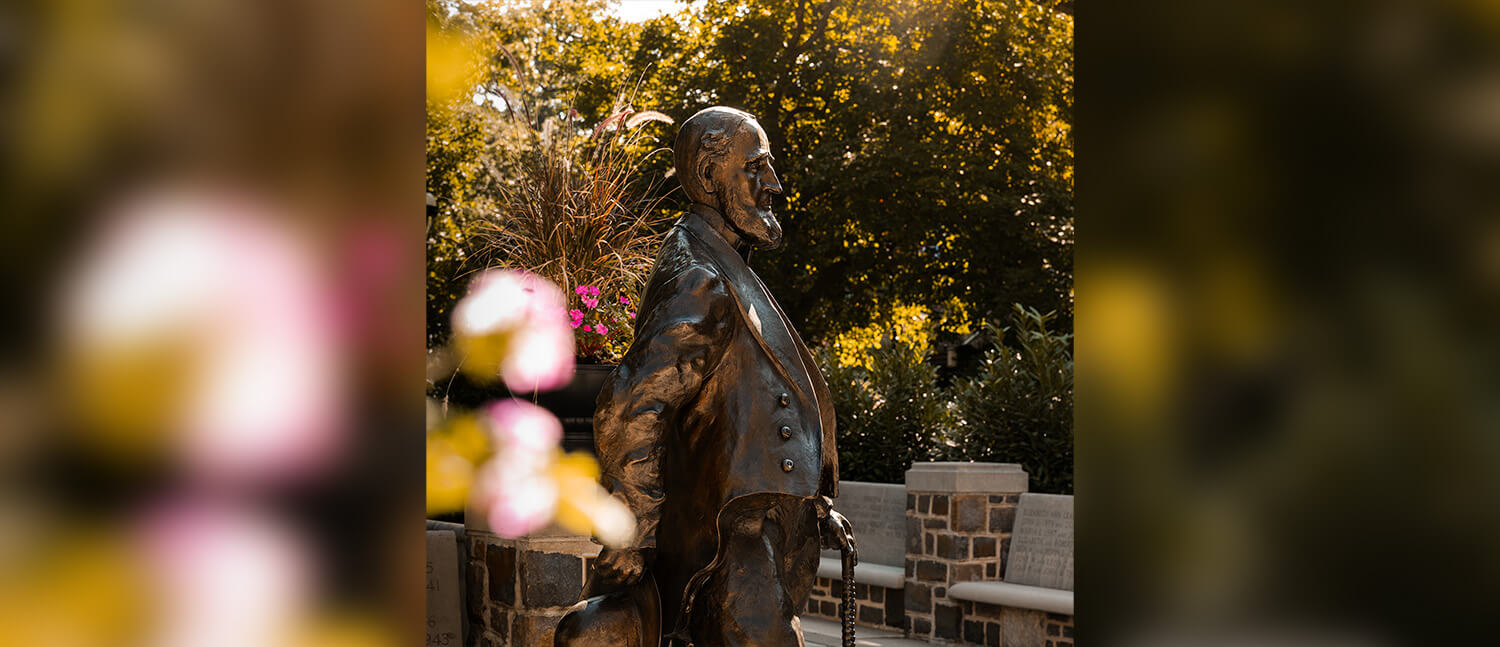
(521, 426)
(541, 359)
(601, 329)
(539, 354)
(225, 575)
(588, 328)
(520, 506)
(513, 489)
(624, 300)
(228, 275)
(630, 314)
(502, 300)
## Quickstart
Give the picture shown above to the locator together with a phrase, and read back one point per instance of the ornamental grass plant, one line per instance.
(583, 212)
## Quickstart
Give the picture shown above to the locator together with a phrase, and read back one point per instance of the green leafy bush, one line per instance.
(889, 415)
(1019, 408)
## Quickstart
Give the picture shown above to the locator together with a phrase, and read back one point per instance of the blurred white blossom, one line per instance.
(206, 309)
(515, 324)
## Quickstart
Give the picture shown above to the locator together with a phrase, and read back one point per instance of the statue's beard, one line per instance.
(757, 225)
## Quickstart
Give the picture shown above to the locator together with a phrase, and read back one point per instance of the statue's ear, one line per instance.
(705, 176)
(711, 151)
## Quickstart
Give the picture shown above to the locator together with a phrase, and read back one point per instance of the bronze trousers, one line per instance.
(752, 599)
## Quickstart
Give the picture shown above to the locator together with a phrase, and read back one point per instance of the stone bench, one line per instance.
(1033, 605)
(878, 513)
(1019, 596)
(891, 577)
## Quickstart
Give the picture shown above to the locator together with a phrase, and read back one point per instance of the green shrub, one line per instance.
(889, 415)
(1019, 408)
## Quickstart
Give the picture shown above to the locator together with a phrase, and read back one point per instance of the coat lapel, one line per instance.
(774, 334)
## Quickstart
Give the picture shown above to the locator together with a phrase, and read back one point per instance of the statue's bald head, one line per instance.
(723, 160)
(704, 139)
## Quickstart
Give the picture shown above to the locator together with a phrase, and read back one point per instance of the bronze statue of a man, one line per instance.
(717, 428)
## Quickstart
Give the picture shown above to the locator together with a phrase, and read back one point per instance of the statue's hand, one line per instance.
(839, 533)
(623, 566)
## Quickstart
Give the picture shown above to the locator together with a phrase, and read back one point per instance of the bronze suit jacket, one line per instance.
(716, 400)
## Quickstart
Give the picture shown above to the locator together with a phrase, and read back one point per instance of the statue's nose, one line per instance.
(774, 184)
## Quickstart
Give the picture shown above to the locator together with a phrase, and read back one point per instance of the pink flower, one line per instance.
(631, 314)
(515, 494)
(624, 300)
(588, 329)
(601, 329)
(581, 290)
(575, 317)
(594, 291)
(590, 302)
(268, 398)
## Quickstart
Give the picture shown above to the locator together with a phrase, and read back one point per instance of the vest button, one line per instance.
(787, 465)
(786, 432)
(785, 399)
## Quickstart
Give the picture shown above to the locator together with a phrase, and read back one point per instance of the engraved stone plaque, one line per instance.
(444, 605)
(878, 513)
(1041, 545)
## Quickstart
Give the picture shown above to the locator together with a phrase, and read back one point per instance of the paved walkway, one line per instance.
(821, 632)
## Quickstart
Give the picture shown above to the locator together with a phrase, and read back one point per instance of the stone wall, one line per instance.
(876, 606)
(958, 523)
(988, 624)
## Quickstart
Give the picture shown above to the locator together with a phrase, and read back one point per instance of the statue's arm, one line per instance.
(677, 343)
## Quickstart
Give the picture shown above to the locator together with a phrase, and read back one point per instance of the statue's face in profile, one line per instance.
(744, 183)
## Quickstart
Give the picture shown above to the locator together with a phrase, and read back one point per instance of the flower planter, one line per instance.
(574, 405)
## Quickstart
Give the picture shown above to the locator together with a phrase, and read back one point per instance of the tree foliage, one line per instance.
(926, 145)
(926, 150)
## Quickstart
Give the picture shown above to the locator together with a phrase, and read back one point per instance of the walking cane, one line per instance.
(848, 559)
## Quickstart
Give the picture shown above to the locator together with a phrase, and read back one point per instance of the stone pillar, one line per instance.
(958, 522)
(519, 588)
